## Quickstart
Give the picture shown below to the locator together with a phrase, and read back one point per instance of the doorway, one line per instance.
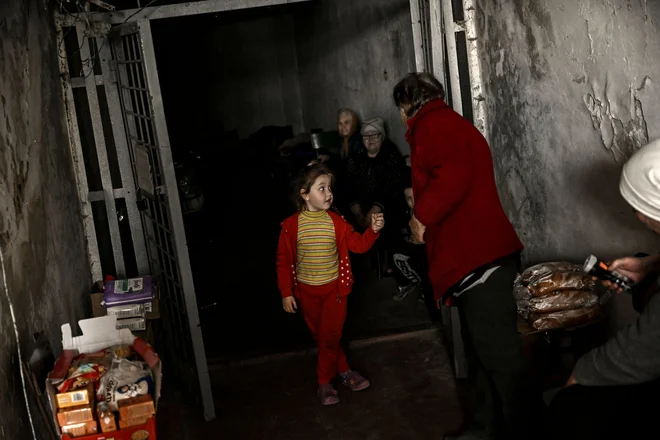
(242, 83)
(234, 86)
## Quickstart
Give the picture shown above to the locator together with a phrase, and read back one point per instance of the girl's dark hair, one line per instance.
(415, 90)
(305, 179)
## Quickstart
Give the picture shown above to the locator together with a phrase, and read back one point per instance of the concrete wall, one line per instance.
(41, 233)
(351, 54)
(236, 68)
(571, 91)
(256, 76)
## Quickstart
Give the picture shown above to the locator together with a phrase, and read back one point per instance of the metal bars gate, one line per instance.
(153, 167)
(99, 151)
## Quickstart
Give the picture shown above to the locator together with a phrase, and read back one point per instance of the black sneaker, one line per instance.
(403, 291)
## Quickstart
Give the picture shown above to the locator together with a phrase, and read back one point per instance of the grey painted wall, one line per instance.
(256, 80)
(293, 65)
(237, 68)
(351, 54)
(40, 229)
(572, 89)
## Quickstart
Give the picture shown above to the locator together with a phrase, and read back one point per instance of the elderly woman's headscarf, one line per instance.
(353, 129)
(373, 126)
(640, 180)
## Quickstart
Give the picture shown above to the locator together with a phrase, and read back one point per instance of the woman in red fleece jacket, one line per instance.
(473, 252)
(314, 269)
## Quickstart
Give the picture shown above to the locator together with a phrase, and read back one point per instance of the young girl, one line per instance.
(314, 271)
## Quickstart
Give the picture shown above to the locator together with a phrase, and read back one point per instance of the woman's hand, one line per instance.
(370, 215)
(417, 230)
(289, 304)
(634, 268)
(377, 222)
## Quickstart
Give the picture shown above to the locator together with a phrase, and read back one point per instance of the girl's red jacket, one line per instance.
(347, 240)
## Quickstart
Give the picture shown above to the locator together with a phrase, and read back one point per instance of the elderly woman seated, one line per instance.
(376, 178)
(347, 125)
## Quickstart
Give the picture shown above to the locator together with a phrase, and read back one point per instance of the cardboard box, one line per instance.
(84, 396)
(98, 309)
(81, 429)
(76, 414)
(97, 334)
(151, 309)
(107, 420)
(136, 407)
(129, 423)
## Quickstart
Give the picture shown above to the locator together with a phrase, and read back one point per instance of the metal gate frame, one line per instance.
(434, 28)
(92, 30)
(153, 168)
(95, 47)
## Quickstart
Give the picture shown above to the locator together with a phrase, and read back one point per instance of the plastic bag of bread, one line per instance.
(540, 270)
(566, 318)
(563, 300)
(520, 291)
(522, 307)
(555, 281)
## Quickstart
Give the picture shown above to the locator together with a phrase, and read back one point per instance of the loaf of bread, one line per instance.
(566, 318)
(532, 273)
(567, 280)
(562, 300)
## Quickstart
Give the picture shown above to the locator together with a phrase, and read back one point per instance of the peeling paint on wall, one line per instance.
(619, 137)
(570, 94)
(571, 91)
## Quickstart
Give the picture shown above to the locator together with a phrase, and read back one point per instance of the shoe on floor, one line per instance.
(328, 395)
(403, 291)
(354, 381)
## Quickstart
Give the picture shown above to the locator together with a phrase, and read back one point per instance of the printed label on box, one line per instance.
(127, 311)
(133, 324)
(129, 286)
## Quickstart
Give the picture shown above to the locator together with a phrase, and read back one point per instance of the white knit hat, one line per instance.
(376, 125)
(640, 180)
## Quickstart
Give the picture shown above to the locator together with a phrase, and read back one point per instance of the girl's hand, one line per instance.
(289, 304)
(377, 222)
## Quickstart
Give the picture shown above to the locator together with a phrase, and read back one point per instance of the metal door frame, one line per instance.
(162, 219)
(170, 11)
(108, 195)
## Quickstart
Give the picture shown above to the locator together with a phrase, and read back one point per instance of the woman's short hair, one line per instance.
(415, 90)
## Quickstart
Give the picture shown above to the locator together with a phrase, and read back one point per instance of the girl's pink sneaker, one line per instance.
(354, 380)
(328, 394)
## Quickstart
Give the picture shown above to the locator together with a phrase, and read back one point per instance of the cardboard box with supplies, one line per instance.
(104, 380)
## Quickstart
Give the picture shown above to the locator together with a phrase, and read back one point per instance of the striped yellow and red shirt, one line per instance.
(317, 257)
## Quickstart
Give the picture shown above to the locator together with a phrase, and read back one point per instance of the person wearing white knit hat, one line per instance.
(613, 391)
(640, 184)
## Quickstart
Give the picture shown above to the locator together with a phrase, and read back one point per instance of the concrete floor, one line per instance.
(413, 396)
